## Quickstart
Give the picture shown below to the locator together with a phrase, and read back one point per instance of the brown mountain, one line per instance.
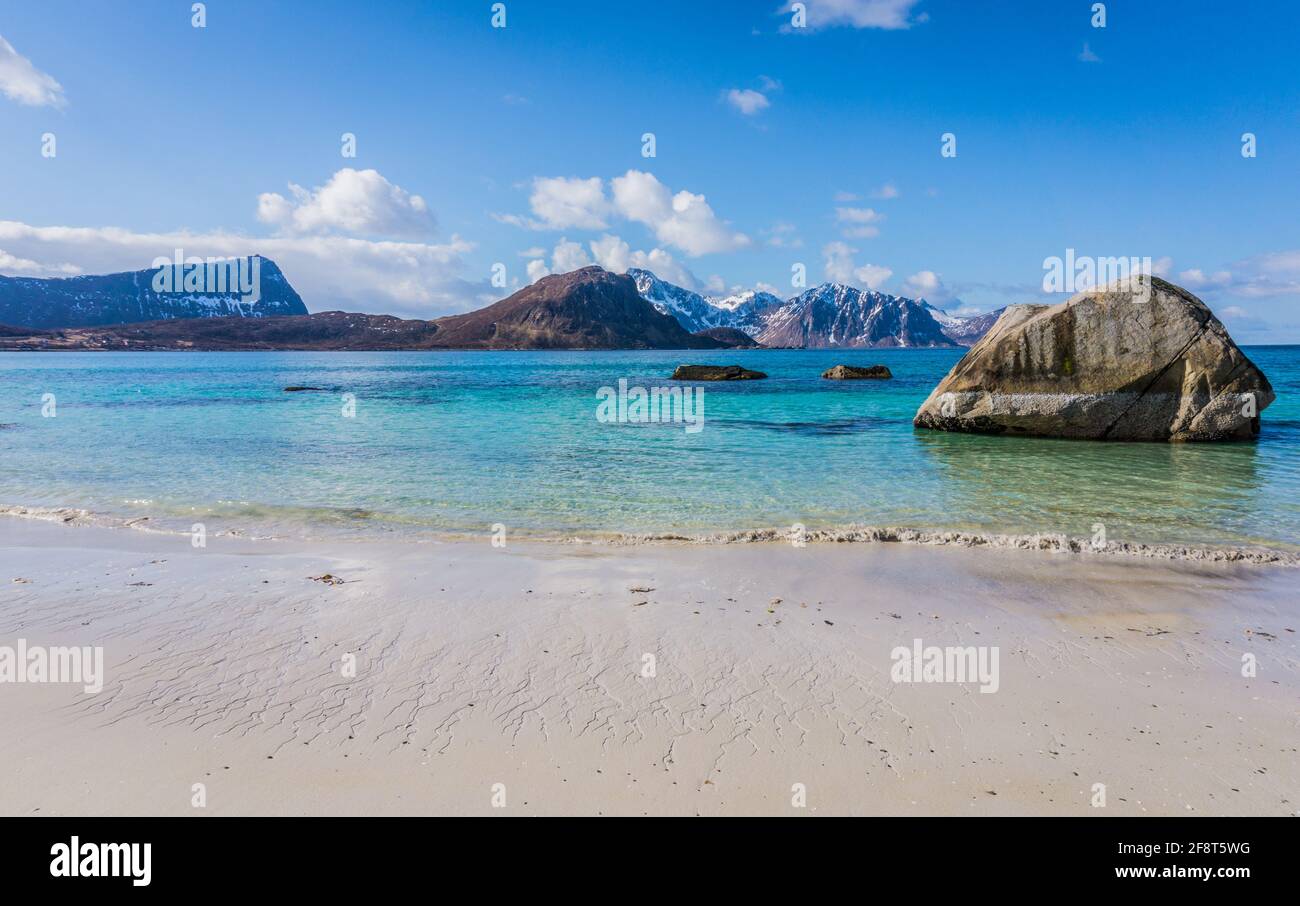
(589, 308)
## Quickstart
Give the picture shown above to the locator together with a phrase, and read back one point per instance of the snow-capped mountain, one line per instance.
(696, 312)
(127, 298)
(832, 314)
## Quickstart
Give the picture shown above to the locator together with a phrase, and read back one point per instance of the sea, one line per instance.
(423, 445)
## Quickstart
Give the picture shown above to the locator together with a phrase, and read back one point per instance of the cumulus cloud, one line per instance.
(410, 278)
(746, 100)
(353, 201)
(615, 254)
(839, 268)
(886, 14)
(683, 220)
(1087, 56)
(858, 223)
(929, 286)
(568, 256)
(537, 270)
(22, 82)
(560, 203)
(887, 191)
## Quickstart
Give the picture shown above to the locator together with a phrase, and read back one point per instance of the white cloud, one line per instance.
(888, 190)
(886, 14)
(412, 278)
(746, 100)
(845, 197)
(840, 269)
(614, 254)
(929, 286)
(568, 256)
(22, 82)
(858, 223)
(1195, 278)
(353, 201)
(684, 221)
(1087, 56)
(560, 203)
(537, 270)
(13, 266)
(1275, 274)
(872, 276)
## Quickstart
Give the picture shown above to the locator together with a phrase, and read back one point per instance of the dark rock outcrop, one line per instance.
(715, 373)
(854, 373)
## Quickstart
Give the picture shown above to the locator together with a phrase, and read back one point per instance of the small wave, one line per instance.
(851, 534)
(1052, 543)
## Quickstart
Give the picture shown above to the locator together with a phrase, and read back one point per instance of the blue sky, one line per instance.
(774, 146)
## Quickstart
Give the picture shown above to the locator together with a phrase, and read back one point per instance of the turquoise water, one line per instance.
(457, 441)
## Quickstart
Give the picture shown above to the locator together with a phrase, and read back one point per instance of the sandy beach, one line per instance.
(651, 679)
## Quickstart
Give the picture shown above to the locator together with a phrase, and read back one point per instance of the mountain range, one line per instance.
(589, 308)
(829, 315)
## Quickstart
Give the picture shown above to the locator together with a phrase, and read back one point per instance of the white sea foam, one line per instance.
(851, 534)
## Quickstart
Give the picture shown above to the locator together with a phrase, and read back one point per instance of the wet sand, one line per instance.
(526, 666)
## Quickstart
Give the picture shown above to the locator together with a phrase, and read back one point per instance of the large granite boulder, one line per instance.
(1140, 360)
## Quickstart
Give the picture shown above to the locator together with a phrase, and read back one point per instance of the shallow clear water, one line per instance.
(458, 441)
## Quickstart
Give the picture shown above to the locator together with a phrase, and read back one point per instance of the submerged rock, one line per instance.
(1146, 361)
(299, 389)
(715, 373)
(854, 373)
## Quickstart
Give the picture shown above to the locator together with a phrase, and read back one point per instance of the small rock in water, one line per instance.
(295, 388)
(854, 373)
(715, 373)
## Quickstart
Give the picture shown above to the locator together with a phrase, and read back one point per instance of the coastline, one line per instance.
(525, 666)
(1048, 542)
